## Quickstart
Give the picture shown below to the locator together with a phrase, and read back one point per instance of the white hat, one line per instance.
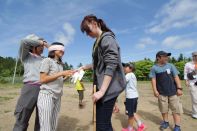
(77, 76)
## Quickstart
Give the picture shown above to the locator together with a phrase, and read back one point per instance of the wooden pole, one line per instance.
(14, 75)
(94, 111)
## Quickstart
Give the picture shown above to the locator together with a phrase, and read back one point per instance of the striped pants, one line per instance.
(48, 109)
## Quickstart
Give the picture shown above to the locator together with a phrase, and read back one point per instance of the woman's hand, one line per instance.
(80, 68)
(68, 73)
(116, 109)
(97, 95)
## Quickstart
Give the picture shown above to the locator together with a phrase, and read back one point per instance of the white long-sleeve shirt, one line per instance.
(189, 67)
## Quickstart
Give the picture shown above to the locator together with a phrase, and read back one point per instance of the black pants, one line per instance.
(103, 115)
(25, 106)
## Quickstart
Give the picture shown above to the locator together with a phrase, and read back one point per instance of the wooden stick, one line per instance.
(94, 111)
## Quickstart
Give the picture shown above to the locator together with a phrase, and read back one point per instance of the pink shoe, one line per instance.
(126, 129)
(142, 127)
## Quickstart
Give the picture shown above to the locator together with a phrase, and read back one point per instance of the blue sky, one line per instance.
(142, 27)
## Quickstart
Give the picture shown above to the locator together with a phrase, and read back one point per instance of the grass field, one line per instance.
(73, 118)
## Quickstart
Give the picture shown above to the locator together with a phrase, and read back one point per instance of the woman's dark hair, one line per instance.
(52, 53)
(89, 19)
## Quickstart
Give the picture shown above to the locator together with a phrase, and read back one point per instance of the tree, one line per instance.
(143, 68)
(180, 58)
(172, 60)
(180, 67)
(88, 76)
(71, 66)
(80, 65)
(7, 66)
(189, 59)
(66, 66)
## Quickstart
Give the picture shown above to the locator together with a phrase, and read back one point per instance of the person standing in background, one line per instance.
(30, 52)
(132, 99)
(190, 76)
(167, 88)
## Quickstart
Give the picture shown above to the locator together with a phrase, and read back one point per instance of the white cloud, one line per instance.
(175, 14)
(44, 21)
(67, 36)
(178, 42)
(145, 42)
(121, 31)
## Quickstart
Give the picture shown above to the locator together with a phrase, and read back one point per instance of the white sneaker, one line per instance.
(194, 116)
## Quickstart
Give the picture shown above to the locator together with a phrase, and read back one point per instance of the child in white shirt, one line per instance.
(131, 99)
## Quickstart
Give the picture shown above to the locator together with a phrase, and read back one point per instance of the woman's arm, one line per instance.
(26, 45)
(45, 78)
(86, 67)
(110, 58)
(104, 87)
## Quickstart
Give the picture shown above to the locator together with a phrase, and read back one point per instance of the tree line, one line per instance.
(143, 67)
(7, 66)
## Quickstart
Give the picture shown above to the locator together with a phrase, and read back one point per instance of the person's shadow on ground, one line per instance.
(66, 123)
(123, 119)
(145, 115)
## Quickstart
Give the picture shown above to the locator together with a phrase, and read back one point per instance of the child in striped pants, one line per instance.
(51, 77)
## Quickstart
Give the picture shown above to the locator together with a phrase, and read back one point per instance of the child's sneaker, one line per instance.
(164, 125)
(194, 116)
(126, 129)
(142, 127)
(177, 128)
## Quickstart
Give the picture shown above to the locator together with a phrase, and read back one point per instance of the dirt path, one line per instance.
(73, 118)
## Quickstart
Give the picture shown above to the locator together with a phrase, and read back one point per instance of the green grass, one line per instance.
(10, 85)
(7, 111)
(5, 98)
(69, 84)
(13, 93)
